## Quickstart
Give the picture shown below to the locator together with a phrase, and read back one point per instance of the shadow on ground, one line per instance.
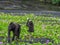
(32, 40)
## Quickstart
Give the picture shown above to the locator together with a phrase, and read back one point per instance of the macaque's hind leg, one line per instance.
(18, 35)
(9, 36)
(19, 30)
(13, 37)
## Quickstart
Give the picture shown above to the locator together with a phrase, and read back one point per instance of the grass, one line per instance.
(50, 29)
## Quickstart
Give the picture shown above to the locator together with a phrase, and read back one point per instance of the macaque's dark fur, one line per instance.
(15, 28)
(30, 25)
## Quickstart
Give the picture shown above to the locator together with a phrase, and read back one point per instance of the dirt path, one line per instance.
(19, 12)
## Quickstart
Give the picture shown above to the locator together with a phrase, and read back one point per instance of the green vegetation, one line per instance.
(55, 1)
(49, 29)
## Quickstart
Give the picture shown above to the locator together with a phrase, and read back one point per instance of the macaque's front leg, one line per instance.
(9, 36)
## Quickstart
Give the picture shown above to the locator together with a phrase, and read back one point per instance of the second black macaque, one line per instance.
(30, 25)
(16, 29)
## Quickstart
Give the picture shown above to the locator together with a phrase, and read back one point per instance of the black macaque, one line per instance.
(30, 25)
(16, 29)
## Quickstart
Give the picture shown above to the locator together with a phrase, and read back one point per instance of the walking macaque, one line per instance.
(15, 28)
